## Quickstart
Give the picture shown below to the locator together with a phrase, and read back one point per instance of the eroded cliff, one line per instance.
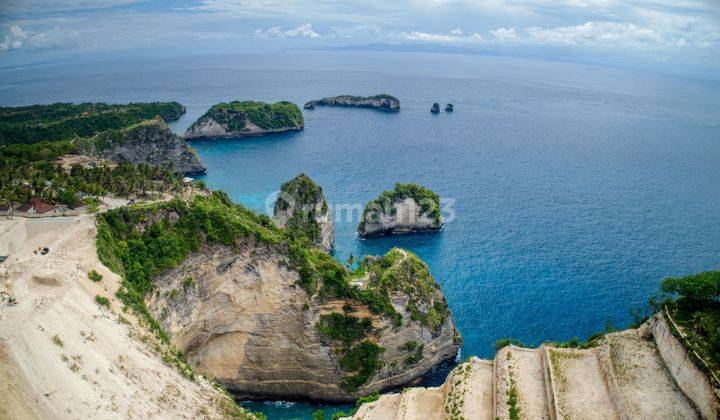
(407, 208)
(269, 317)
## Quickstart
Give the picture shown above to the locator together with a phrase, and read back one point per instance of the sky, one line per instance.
(683, 34)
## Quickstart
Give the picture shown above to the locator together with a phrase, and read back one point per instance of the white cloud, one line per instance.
(504, 35)
(302, 31)
(457, 31)
(19, 38)
(454, 37)
(352, 31)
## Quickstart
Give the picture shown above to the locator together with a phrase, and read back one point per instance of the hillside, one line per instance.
(248, 118)
(64, 121)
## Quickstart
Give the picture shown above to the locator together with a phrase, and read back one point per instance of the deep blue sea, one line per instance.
(573, 189)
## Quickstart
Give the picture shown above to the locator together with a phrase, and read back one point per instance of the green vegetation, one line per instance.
(57, 341)
(29, 171)
(693, 302)
(415, 357)
(343, 327)
(363, 359)
(102, 301)
(301, 196)
(383, 96)
(233, 115)
(142, 242)
(95, 276)
(403, 271)
(504, 342)
(512, 402)
(385, 203)
(64, 121)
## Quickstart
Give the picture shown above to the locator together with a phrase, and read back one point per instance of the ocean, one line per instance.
(570, 191)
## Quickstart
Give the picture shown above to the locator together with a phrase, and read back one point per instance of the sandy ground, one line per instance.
(421, 404)
(581, 391)
(64, 356)
(477, 391)
(641, 383)
(522, 369)
(384, 408)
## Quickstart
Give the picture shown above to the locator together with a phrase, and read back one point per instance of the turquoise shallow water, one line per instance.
(576, 189)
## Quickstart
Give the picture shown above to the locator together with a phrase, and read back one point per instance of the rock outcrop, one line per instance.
(270, 318)
(382, 102)
(624, 375)
(406, 209)
(244, 119)
(302, 209)
(150, 142)
(435, 108)
(449, 108)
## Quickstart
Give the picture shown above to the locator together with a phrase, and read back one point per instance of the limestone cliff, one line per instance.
(243, 119)
(150, 142)
(269, 318)
(301, 207)
(408, 208)
(633, 374)
(382, 102)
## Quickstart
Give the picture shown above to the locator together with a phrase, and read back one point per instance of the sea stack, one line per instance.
(301, 209)
(406, 209)
(449, 108)
(435, 108)
(382, 102)
(243, 119)
(150, 142)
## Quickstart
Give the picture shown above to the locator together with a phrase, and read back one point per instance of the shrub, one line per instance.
(95, 276)
(102, 301)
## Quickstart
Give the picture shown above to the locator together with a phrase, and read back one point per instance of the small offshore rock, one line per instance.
(435, 108)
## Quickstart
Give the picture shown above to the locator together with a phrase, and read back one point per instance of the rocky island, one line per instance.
(243, 119)
(382, 102)
(435, 109)
(150, 142)
(405, 209)
(301, 209)
(268, 317)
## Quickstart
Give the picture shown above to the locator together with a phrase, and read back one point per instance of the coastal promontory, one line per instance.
(301, 209)
(243, 119)
(382, 102)
(407, 208)
(269, 317)
(150, 142)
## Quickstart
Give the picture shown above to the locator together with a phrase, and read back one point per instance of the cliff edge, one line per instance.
(150, 142)
(268, 317)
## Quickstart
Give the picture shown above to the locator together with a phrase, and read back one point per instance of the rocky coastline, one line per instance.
(409, 208)
(150, 142)
(246, 119)
(382, 102)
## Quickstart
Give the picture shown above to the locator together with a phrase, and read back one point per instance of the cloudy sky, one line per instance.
(649, 31)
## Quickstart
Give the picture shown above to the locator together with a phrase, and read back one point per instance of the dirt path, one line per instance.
(521, 369)
(640, 382)
(581, 392)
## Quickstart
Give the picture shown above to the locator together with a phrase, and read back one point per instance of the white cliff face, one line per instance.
(408, 217)
(243, 320)
(633, 374)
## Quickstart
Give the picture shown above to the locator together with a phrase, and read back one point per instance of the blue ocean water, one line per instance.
(575, 189)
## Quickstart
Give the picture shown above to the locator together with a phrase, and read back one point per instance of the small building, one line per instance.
(36, 206)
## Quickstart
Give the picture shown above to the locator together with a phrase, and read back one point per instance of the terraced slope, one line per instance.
(639, 373)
